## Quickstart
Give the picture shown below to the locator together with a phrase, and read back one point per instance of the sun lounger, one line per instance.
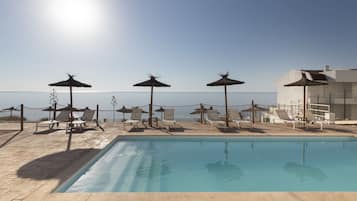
(237, 118)
(135, 118)
(213, 118)
(62, 117)
(169, 118)
(81, 122)
(283, 115)
(311, 119)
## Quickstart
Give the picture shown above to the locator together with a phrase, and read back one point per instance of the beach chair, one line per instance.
(311, 119)
(135, 118)
(213, 118)
(237, 118)
(62, 117)
(82, 121)
(283, 115)
(169, 119)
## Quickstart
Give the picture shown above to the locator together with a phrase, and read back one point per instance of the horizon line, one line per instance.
(126, 91)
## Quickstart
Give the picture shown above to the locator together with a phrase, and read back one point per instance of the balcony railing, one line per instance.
(334, 100)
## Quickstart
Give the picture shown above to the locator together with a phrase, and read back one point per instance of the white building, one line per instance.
(339, 95)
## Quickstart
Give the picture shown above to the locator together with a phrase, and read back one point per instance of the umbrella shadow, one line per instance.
(46, 132)
(137, 130)
(311, 129)
(302, 171)
(7, 131)
(57, 165)
(10, 139)
(341, 130)
(256, 130)
(83, 130)
(228, 129)
(177, 129)
(225, 170)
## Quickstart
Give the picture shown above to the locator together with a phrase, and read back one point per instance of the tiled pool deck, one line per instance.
(32, 166)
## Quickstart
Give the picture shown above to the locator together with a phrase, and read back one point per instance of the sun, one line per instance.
(75, 17)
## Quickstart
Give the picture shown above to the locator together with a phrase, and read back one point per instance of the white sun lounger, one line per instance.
(86, 117)
(169, 118)
(135, 118)
(236, 117)
(312, 120)
(283, 115)
(213, 118)
(62, 117)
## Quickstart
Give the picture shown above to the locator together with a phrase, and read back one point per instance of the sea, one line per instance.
(183, 102)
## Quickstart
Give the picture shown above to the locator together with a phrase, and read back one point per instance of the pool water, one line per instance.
(220, 164)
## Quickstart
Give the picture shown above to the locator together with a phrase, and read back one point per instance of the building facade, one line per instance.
(339, 95)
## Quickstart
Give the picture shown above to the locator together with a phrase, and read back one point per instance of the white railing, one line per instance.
(319, 110)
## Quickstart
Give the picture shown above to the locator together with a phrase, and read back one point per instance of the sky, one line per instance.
(113, 44)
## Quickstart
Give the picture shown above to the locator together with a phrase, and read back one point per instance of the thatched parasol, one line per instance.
(69, 108)
(124, 110)
(71, 82)
(225, 81)
(255, 109)
(84, 109)
(201, 111)
(152, 82)
(11, 109)
(304, 82)
(161, 110)
(49, 110)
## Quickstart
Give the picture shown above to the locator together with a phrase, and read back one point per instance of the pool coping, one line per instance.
(210, 196)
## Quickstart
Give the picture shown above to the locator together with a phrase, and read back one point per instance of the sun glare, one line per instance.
(75, 17)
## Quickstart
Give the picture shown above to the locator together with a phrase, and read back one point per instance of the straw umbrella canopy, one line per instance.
(11, 109)
(255, 109)
(49, 110)
(304, 82)
(85, 109)
(161, 110)
(70, 82)
(201, 111)
(152, 82)
(69, 108)
(124, 110)
(225, 81)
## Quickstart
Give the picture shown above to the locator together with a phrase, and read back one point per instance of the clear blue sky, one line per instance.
(113, 44)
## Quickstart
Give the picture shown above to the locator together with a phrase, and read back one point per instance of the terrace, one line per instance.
(33, 166)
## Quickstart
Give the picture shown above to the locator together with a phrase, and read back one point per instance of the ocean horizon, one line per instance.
(182, 102)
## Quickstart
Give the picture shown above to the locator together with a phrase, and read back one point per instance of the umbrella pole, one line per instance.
(150, 108)
(225, 96)
(304, 117)
(201, 113)
(70, 125)
(54, 111)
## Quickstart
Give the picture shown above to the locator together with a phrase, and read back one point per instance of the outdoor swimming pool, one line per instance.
(220, 164)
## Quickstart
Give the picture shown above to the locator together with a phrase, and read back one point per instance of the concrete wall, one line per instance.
(289, 95)
(346, 75)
